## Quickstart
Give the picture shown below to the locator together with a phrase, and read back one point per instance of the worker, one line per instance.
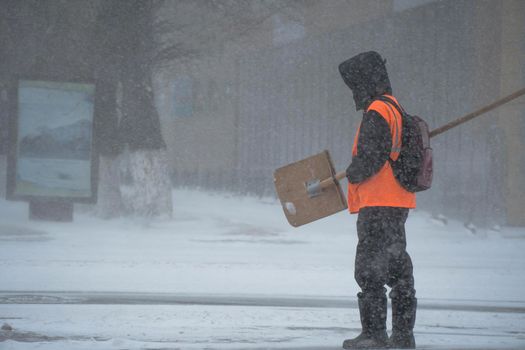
(382, 205)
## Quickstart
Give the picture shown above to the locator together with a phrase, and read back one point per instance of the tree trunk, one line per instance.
(109, 199)
(150, 195)
(139, 127)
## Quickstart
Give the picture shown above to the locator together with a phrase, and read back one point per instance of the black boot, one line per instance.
(372, 310)
(403, 320)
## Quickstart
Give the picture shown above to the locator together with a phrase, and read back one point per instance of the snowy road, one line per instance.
(240, 277)
(130, 298)
(100, 320)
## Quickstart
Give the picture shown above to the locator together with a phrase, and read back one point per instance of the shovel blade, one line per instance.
(291, 184)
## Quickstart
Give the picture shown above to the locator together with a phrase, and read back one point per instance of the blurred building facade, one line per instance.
(272, 95)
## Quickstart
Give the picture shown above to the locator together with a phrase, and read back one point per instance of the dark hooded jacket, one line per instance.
(367, 77)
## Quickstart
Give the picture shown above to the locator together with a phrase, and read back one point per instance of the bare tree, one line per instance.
(126, 49)
(109, 42)
(188, 29)
(119, 44)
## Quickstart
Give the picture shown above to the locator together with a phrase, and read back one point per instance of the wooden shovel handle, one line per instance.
(479, 112)
(331, 180)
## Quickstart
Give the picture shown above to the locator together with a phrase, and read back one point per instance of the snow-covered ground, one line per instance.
(229, 272)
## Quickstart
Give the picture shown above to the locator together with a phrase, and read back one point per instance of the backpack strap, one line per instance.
(393, 103)
(396, 147)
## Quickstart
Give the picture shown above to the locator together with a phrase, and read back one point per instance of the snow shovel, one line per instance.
(303, 196)
(309, 189)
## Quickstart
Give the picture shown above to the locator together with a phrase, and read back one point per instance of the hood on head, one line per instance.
(366, 75)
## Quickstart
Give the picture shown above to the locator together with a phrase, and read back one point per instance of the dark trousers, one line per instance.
(381, 256)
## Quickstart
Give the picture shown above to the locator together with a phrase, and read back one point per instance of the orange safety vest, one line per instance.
(382, 189)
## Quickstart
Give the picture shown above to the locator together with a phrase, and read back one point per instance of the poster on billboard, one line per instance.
(52, 138)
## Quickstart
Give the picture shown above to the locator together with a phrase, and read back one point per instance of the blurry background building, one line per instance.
(268, 93)
(244, 87)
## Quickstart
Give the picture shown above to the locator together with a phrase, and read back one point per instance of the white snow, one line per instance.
(220, 248)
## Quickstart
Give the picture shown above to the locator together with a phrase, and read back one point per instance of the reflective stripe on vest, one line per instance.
(396, 135)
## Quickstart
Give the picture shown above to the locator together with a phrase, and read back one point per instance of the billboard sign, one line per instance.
(51, 141)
